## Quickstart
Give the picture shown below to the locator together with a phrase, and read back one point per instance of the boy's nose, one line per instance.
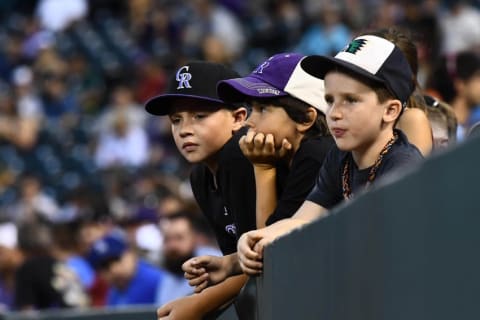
(185, 129)
(334, 112)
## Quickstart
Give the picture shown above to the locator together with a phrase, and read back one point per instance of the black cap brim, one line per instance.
(162, 105)
(319, 66)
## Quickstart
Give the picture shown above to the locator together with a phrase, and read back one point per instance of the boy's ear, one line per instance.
(311, 116)
(393, 109)
(239, 117)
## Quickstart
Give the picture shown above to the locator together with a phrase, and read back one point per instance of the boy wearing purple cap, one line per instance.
(287, 134)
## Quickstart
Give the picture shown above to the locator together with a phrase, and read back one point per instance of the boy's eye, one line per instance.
(329, 100)
(351, 99)
(174, 120)
(200, 115)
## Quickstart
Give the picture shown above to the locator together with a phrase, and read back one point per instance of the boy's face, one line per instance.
(354, 114)
(274, 120)
(200, 133)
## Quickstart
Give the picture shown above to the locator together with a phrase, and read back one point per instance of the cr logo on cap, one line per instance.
(183, 78)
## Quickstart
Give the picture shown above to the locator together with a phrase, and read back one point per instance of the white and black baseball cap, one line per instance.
(370, 57)
(280, 75)
(196, 80)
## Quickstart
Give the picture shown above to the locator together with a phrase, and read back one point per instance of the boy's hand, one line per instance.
(180, 309)
(260, 148)
(250, 252)
(205, 271)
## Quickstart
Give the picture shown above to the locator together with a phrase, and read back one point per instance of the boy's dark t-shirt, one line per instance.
(230, 208)
(294, 183)
(328, 190)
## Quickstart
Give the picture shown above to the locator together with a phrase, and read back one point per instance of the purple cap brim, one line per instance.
(237, 89)
(162, 104)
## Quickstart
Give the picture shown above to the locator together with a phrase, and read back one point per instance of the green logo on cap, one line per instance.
(355, 45)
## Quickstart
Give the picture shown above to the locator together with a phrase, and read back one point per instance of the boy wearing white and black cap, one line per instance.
(366, 87)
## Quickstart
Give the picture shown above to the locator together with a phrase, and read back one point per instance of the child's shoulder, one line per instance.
(403, 152)
(316, 147)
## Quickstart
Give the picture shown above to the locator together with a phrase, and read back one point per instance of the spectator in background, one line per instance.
(57, 15)
(443, 121)
(66, 248)
(34, 204)
(460, 25)
(42, 281)
(11, 55)
(327, 35)
(179, 246)
(121, 145)
(209, 18)
(132, 280)
(52, 70)
(10, 259)
(466, 81)
(29, 109)
(19, 115)
(122, 138)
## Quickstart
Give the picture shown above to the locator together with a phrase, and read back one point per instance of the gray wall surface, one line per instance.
(405, 250)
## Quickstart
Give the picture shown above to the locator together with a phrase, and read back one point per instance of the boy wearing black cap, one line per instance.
(366, 87)
(206, 131)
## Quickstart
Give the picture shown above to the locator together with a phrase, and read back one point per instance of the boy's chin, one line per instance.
(194, 158)
(342, 146)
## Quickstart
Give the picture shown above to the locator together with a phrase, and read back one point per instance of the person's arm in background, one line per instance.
(197, 306)
(416, 126)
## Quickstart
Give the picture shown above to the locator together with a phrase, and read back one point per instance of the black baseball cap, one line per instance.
(195, 80)
(370, 57)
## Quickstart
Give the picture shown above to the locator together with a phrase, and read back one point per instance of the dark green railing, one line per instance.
(407, 250)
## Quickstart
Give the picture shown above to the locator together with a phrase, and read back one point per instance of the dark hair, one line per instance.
(467, 63)
(296, 110)
(403, 40)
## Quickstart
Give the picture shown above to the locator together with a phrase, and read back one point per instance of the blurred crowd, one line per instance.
(92, 188)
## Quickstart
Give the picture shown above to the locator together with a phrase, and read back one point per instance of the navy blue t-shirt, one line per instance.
(328, 190)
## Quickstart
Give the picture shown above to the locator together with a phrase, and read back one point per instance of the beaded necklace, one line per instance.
(347, 190)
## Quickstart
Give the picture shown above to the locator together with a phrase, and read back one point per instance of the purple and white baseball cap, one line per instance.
(371, 57)
(280, 75)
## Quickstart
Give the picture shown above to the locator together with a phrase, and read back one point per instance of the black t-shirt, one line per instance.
(328, 190)
(295, 183)
(230, 208)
